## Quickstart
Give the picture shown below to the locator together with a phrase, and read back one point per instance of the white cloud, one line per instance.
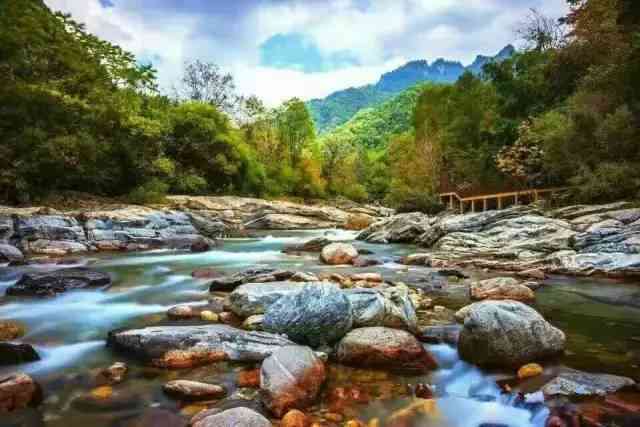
(381, 36)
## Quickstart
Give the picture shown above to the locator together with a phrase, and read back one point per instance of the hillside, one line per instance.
(372, 127)
(336, 109)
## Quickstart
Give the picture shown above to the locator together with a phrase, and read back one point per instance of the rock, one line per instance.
(10, 330)
(234, 417)
(114, 374)
(254, 323)
(14, 354)
(195, 310)
(595, 263)
(366, 277)
(533, 273)
(277, 221)
(255, 298)
(206, 273)
(187, 346)
(10, 253)
(51, 283)
(18, 391)
(421, 259)
(304, 277)
(362, 262)
(575, 383)
(423, 391)
(193, 390)
(530, 370)
(209, 316)
(291, 378)
(506, 333)
(295, 418)
(229, 318)
(441, 334)
(249, 378)
(358, 222)
(401, 228)
(252, 275)
(318, 314)
(384, 348)
(156, 417)
(390, 307)
(313, 245)
(338, 254)
(107, 399)
(55, 235)
(501, 288)
(202, 245)
(420, 410)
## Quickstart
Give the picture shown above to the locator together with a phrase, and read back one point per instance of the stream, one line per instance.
(600, 317)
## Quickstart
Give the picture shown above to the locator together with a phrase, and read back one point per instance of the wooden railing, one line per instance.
(501, 199)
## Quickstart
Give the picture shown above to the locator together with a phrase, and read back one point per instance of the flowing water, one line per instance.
(601, 319)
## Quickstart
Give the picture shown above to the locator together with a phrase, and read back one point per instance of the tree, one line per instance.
(205, 82)
(541, 32)
(295, 129)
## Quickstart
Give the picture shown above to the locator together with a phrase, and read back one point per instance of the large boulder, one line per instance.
(579, 384)
(318, 314)
(254, 298)
(291, 379)
(18, 391)
(586, 264)
(234, 417)
(10, 253)
(390, 307)
(506, 333)
(52, 283)
(187, 346)
(401, 228)
(501, 288)
(48, 234)
(251, 275)
(14, 353)
(384, 348)
(338, 254)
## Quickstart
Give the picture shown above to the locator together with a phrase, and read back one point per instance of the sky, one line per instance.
(278, 49)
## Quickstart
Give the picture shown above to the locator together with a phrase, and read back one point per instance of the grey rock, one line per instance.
(313, 245)
(254, 298)
(506, 334)
(338, 254)
(595, 263)
(10, 253)
(51, 283)
(186, 346)
(291, 378)
(575, 383)
(193, 390)
(317, 315)
(441, 334)
(251, 275)
(6, 228)
(390, 307)
(235, 417)
(14, 353)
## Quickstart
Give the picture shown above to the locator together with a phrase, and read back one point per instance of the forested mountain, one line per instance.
(339, 107)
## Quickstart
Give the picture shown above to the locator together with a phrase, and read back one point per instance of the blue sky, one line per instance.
(277, 49)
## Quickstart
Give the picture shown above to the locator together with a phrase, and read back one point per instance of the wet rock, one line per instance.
(206, 273)
(291, 378)
(441, 334)
(530, 370)
(358, 222)
(423, 391)
(210, 316)
(105, 398)
(401, 228)
(187, 346)
(277, 221)
(313, 245)
(10, 253)
(54, 282)
(338, 254)
(14, 354)
(203, 245)
(316, 315)
(576, 383)
(419, 411)
(193, 390)
(252, 275)
(18, 391)
(586, 264)
(255, 298)
(384, 348)
(194, 310)
(249, 378)
(254, 323)
(390, 307)
(501, 288)
(156, 417)
(362, 262)
(234, 417)
(295, 418)
(533, 273)
(10, 330)
(55, 235)
(367, 277)
(421, 259)
(114, 374)
(506, 333)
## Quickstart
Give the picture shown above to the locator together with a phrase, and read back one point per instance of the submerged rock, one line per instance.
(384, 348)
(114, 374)
(54, 282)
(338, 254)
(318, 314)
(187, 346)
(506, 333)
(18, 391)
(501, 288)
(14, 354)
(10, 330)
(193, 390)
(575, 383)
(291, 379)
(234, 417)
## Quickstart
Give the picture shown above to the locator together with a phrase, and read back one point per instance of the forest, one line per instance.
(80, 114)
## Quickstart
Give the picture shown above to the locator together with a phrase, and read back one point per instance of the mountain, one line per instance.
(337, 108)
(372, 127)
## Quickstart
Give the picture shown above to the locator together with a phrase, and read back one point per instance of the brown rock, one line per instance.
(193, 390)
(206, 273)
(294, 418)
(338, 254)
(529, 370)
(423, 391)
(501, 288)
(249, 378)
(407, 417)
(18, 391)
(114, 374)
(333, 417)
(533, 273)
(10, 330)
(367, 277)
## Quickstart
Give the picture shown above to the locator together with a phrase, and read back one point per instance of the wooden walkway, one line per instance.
(497, 200)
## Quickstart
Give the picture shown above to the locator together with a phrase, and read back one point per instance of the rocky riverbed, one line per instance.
(312, 327)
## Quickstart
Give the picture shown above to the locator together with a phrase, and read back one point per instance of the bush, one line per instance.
(418, 202)
(606, 183)
(152, 191)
